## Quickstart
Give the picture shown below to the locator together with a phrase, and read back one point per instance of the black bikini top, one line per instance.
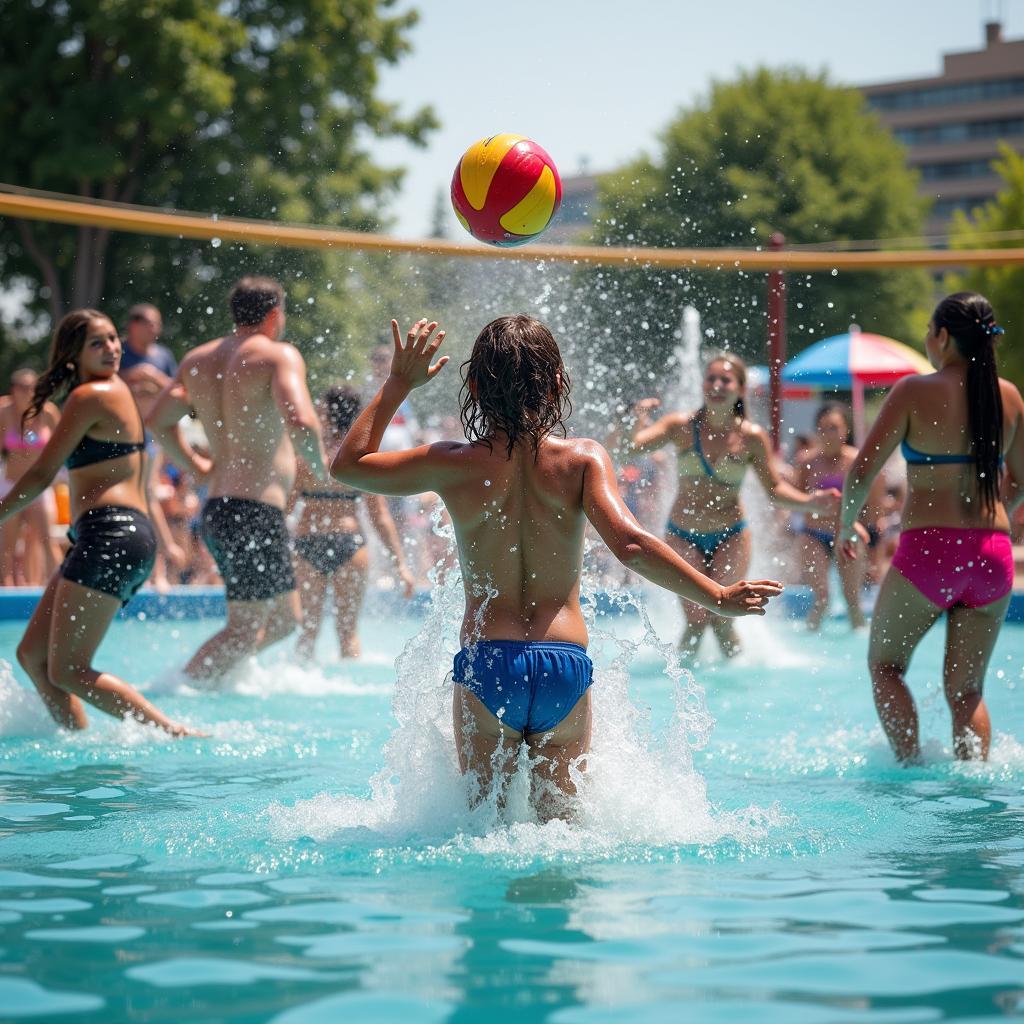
(90, 450)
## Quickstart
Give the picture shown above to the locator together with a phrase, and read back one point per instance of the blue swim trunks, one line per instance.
(531, 687)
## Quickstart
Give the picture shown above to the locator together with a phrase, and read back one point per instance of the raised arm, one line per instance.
(360, 463)
(652, 558)
(648, 436)
(780, 491)
(291, 396)
(163, 422)
(81, 411)
(888, 430)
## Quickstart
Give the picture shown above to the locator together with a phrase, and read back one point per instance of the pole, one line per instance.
(776, 341)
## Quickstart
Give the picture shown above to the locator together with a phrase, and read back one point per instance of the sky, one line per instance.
(595, 81)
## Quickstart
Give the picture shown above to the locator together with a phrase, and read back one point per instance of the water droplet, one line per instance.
(487, 483)
(215, 242)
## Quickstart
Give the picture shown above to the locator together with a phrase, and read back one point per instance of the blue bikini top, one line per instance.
(914, 457)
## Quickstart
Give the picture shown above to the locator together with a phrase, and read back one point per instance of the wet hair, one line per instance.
(252, 298)
(60, 377)
(514, 381)
(342, 404)
(972, 325)
(828, 408)
(740, 369)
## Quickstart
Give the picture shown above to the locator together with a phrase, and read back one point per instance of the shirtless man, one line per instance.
(519, 499)
(249, 392)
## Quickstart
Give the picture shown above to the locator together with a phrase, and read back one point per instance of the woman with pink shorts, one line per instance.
(958, 429)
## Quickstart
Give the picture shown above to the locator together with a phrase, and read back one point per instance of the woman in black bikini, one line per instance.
(329, 547)
(100, 439)
(715, 447)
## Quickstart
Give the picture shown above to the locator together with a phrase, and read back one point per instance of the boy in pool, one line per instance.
(519, 499)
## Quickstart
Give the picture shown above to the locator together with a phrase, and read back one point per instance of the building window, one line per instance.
(961, 131)
(943, 209)
(947, 95)
(955, 169)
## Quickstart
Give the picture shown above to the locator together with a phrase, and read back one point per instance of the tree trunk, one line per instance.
(46, 267)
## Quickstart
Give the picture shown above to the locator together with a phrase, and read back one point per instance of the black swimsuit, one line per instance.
(113, 547)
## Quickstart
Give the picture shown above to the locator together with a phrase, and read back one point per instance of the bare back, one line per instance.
(936, 422)
(520, 523)
(230, 385)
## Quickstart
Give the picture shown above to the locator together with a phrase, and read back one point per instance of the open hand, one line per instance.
(408, 583)
(747, 597)
(411, 361)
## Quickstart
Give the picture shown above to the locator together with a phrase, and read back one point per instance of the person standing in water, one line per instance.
(715, 446)
(329, 546)
(825, 468)
(250, 394)
(957, 428)
(519, 498)
(21, 441)
(100, 439)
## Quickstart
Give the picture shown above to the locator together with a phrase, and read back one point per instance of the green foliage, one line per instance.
(1002, 285)
(772, 151)
(245, 108)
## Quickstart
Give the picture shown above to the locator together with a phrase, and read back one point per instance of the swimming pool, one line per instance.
(314, 860)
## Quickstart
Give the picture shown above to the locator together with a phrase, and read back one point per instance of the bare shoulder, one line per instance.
(581, 452)
(195, 357)
(1010, 394)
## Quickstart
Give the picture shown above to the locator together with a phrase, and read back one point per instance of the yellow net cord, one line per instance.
(145, 220)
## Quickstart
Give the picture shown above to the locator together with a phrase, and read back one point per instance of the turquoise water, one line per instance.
(314, 860)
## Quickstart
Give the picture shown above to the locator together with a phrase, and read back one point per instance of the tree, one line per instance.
(1002, 285)
(241, 108)
(772, 151)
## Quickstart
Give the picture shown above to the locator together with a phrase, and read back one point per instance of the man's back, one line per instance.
(230, 383)
(520, 522)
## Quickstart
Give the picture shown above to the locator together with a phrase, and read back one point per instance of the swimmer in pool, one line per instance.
(250, 394)
(959, 428)
(716, 445)
(519, 498)
(99, 437)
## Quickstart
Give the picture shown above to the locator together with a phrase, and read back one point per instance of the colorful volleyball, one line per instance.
(506, 189)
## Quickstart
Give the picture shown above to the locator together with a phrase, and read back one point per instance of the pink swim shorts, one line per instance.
(951, 565)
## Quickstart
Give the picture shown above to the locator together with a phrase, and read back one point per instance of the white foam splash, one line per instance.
(639, 789)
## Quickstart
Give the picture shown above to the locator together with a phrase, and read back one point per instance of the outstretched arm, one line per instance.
(782, 492)
(887, 432)
(654, 559)
(648, 436)
(359, 461)
(291, 396)
(81, 411)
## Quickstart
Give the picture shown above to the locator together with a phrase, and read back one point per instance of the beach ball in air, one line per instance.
(505, 190)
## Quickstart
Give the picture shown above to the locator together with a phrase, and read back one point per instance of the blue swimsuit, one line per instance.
(707, 542)
(531, 687)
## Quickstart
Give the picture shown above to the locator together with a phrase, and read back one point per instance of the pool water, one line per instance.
(314, 860)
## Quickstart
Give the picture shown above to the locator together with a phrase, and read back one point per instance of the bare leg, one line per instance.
(696, 618)
(349, 588)
(902, 617)
(484, 745)
(729, 564)
(970, 638)
(9, 550)
(282, 619)
(239, 638)
(80, 619)
(33, 651)
(553, 754)
(815, 561)
(851, 574)
(312, 590)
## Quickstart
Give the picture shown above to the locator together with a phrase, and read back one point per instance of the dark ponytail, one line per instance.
(972, 325)
(61, 374)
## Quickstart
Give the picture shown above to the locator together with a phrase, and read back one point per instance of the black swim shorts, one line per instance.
(249, 542)
(113, 549)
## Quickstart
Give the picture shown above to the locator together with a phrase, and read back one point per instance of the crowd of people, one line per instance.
(226, 470)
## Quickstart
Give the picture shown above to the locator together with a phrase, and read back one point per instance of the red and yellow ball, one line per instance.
(506, 189)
